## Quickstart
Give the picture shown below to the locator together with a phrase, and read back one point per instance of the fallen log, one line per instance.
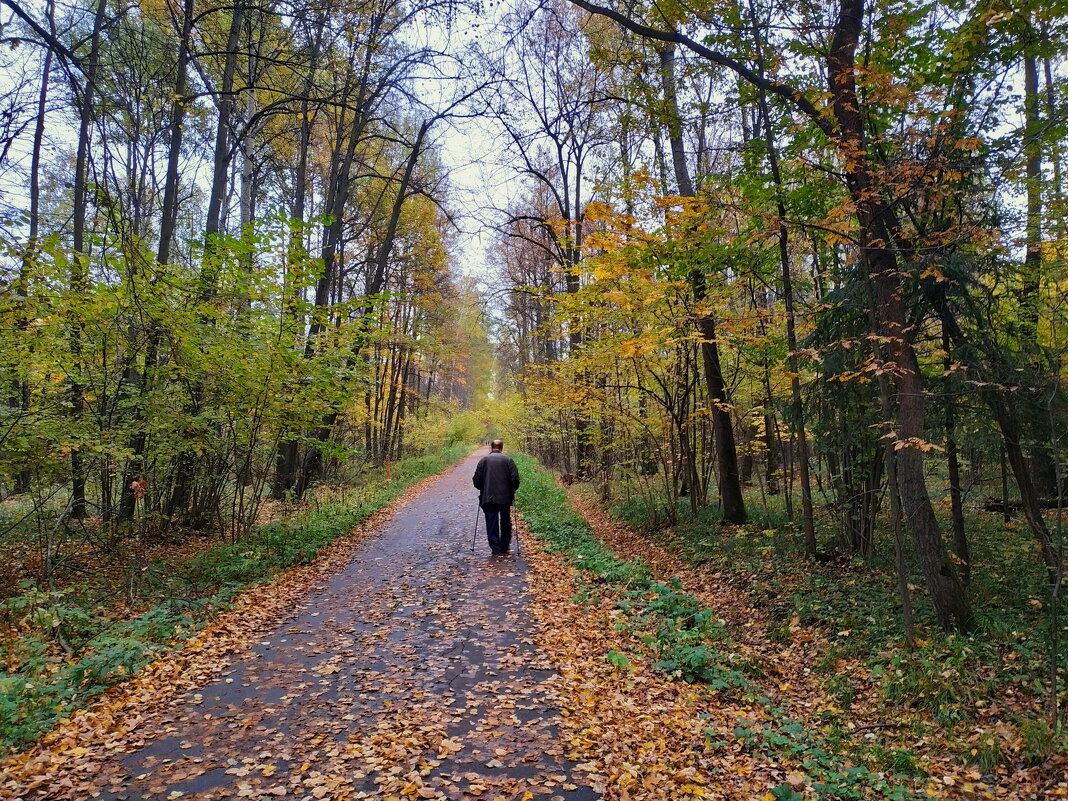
(998, 505)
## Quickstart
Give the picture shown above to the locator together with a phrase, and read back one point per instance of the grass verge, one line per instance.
(689, 643)
(61, 648)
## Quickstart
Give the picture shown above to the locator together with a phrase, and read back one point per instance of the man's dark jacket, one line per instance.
(497, 479)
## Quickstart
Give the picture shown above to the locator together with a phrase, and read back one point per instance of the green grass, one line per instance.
(690, 644)
(44, 687)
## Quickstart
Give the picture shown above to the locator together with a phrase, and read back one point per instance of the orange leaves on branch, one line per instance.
(911, 442)
(636, 347)
(138, 486)
(619, 298)
(598, 212)
(850, 375)
(805, 353)
(919, 444)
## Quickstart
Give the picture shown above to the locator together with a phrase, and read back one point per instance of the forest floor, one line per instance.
(402, 665)
(802, 673)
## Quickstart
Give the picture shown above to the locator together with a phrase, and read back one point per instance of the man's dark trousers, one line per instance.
(498, 526)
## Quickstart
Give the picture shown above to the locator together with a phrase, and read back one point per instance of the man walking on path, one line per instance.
(497, 478)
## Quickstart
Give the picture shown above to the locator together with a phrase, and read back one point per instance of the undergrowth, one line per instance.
(949, 680)
(692, 645)
(61, 648)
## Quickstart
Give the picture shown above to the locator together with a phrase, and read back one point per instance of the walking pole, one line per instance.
(518, 550)
(474, 534)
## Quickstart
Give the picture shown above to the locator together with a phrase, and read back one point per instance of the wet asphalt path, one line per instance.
(412, 673)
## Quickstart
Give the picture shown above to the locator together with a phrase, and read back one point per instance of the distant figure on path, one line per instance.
(497, 479)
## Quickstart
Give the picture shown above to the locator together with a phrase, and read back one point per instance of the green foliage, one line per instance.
(466, 428)
(673, 623)
(830, 776)
(948, 678)
(841, 689)
(43, 687)
(848, 599)
(433, 432)
(785, 792)
(1041, 741)
(899, 761)
(946, 681)
(618, 660)
(986, 754)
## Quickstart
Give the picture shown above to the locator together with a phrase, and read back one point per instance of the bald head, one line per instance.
(497, 445)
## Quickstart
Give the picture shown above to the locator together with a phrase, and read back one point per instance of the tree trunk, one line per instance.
(287, 458)
(796, 402)
(21, 397)
(168, 227)
(223, 153)
(1043, 470)
(960, 536)
(339, 182)
(1008, 424)
(186, 463)
(876, 221)
(80, 262)
(730, 484)
(771, 449)
(1032, 146)
(880, 262)
(313, 463)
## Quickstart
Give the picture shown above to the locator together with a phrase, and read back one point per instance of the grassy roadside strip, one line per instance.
(41, 688)
(687, 642)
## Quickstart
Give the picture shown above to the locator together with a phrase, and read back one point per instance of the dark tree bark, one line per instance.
(223, 154)
(771, 444)
(287, 459)
(168, 227)
(186, 462)
(340, 178)
(313, 464)
(21, 396)
(1042, 468)
(79, 264)
(796, 401)
(960, 535)
(1032, 145)
(877, 222)
(1008, 424)
(730, 482)
(562, 91)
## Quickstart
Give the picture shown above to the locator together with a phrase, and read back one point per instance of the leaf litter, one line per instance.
(789, 678)
(434, 674)
(394, 667)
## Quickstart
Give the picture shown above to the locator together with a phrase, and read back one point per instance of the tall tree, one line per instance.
(551, 108)
(880, 241)
(730, 485)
